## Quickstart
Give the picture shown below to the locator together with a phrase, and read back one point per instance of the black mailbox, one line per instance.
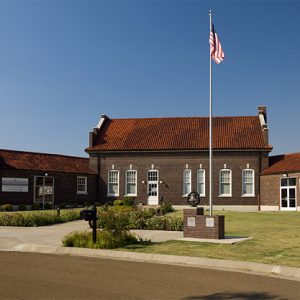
(91, 216)
(88, 214)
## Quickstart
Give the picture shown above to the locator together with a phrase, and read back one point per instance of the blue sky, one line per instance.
(64, 63)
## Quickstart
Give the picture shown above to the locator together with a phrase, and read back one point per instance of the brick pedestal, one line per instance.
(197, 225)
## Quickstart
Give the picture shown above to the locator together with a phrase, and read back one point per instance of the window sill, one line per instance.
(247, 196)
(130, 195)
(82, 193)
(112, 195)
(225, 196)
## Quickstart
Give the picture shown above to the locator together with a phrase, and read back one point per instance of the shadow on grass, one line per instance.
(140, 245)
(236, 296)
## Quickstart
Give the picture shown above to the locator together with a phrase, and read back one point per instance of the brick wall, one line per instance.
(270, 189)
(65, 188)
(201, 230)
(171, 167)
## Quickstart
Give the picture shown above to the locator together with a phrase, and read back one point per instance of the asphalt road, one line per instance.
(42, 276)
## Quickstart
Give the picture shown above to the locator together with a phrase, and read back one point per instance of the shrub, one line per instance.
(128, 201)
(6, 207)
(118, 203)
(37, 218)
(115, 222)
(105, 240)
(22, 207)
(167, 207)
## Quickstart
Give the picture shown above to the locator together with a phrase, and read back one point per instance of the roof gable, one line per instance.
(185, 133)
(21, 160)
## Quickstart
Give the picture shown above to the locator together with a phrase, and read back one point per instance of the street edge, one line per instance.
(283, 272)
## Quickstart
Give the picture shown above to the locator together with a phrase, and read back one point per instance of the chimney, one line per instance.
(93, 134)
(262, 114)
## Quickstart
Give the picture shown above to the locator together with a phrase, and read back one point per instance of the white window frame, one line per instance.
(133, 183)
(230, 183)
(186, 182)
(203, 182)
(82, 181)
(113, 182)
(243, 183)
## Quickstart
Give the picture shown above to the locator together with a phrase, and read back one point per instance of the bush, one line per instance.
(128, 201)
(105, 240)
(167, 207)
(38, 218)
(115, 222)
(118, 203)
(6, 207)
(22, 207)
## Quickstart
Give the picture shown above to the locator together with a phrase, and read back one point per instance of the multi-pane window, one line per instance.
(225, 182)
(201, 182)
(248, 182)
(131, 189)
(81, 185)
(187, 180)
(113, 183)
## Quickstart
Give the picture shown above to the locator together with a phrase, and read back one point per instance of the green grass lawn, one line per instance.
(276, 240)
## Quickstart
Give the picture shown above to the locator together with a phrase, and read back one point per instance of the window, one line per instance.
(225, 183)
(187, 180)
(201, 182)
(113, 183)
(248, 182)
(81, 185)
(130, 186)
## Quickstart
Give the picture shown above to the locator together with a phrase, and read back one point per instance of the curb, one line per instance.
(283, 272)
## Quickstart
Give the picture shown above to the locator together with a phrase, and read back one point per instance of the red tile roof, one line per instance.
(21, 160)
(284, 163)
(185, 133)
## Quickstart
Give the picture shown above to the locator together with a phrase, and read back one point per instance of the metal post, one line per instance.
(210, 125)
(94, 227)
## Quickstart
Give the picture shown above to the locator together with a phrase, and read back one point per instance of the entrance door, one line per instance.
(288, 193)
(44, 191)
(152, 187)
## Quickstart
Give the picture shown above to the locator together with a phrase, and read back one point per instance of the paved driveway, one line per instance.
(52, 235)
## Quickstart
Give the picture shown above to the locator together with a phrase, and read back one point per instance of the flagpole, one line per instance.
(210, 125)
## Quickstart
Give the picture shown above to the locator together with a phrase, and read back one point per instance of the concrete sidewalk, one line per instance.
(47, 239)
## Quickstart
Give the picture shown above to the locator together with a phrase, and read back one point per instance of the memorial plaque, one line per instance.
(191, 221)
(210, 222)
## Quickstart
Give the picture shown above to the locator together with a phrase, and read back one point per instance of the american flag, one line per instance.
(216, 51)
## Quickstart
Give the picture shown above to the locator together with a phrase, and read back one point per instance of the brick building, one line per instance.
(28, 178)
(152, 159)
(280, 183)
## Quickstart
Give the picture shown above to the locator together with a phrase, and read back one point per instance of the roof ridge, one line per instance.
(42, 153)
(181, 117)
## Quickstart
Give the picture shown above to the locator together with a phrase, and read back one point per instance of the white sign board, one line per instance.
(14, 184)
(191, 221)
(210, 222)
